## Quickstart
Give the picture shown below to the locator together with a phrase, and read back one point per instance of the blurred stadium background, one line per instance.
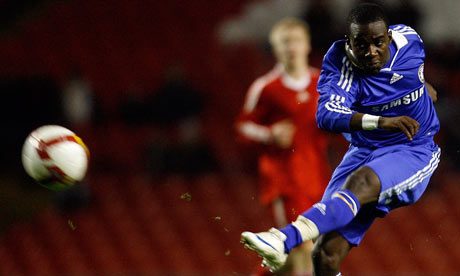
(153, 88)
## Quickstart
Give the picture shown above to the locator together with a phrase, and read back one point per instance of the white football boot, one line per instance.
(269, 245)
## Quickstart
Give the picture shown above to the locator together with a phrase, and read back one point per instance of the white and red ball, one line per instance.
(55, 157)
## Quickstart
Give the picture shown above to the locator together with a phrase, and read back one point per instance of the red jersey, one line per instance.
(298, 174)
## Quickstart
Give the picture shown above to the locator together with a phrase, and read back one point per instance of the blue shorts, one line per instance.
(404, 172)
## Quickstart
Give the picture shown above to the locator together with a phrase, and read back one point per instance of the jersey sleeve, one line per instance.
(409, 43)
(336, 88)
(249, 125)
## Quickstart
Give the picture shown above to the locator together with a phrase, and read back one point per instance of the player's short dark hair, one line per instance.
(366, 13)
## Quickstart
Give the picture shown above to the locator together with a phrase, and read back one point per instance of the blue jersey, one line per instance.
(397, 90)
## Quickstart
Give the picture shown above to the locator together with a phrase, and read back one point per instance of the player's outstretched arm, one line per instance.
(404, 124)
(432, 92)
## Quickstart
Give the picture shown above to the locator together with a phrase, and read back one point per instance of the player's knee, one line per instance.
(324, 259)
(364, 184)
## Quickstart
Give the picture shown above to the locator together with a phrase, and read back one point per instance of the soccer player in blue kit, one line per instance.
(373, 90)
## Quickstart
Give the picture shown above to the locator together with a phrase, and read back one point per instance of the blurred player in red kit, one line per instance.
(279, 114)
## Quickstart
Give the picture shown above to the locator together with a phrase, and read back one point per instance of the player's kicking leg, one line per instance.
(269, 245)
(376, 182)
(361, 187)
(329, 251)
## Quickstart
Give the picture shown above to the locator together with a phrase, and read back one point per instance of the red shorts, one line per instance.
(298, 181)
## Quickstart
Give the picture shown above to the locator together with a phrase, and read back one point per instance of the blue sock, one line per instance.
(293, 237)
(327, 215)
(334, 213)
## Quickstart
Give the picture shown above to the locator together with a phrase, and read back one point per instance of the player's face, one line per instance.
(291, 45)
(370, 45)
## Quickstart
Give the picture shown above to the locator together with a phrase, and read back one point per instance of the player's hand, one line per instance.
(404, 124)
(283, 133)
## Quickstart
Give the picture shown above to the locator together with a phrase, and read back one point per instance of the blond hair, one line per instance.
(287, 23)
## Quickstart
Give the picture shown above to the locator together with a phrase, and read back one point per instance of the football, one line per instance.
(55, 157)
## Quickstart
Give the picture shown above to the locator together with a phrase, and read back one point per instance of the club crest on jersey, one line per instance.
(407, 99)
(421, 76)
(303, 97)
